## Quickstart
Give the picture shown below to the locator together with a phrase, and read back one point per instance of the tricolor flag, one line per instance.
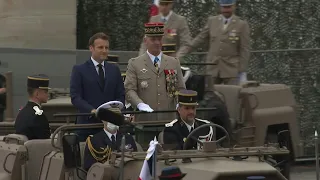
(146, 171)
(154, 8)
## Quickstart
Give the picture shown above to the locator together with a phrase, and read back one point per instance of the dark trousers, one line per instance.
(2, 115)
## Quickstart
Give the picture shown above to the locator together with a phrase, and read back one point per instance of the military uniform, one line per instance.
(176, 32)
(177, 131)
(153, 85)
(228, 47)
(31, 121)
(99, 146)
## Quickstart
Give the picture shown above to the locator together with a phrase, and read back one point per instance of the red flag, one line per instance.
(154, 10)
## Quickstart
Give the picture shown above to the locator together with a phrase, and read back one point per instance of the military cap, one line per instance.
(166, 1)
(40, 81)
(154, 29)
(227, 2)
(188, 97)
(114, 106)
(112, 113)
(113, 58)
(169, 48)
(171, 172)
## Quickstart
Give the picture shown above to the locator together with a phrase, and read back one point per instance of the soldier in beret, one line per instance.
(176, 30)
(178, 130)
(153, 78)
(229, 43)
(31, 121)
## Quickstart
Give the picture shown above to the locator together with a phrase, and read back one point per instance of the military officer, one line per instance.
(176, 28)
(99, 146)
(153, 78)
(228, 37)
(178, 130)
(31, 121)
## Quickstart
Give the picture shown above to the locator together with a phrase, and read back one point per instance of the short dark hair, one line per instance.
(99, 35)
(30, 91)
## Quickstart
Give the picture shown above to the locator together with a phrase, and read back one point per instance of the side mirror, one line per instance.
(71, 151)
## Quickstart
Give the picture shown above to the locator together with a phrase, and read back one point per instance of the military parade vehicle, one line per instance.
(264, 126)
(61, 157)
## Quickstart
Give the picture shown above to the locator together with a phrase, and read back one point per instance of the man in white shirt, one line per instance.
(99, 146)
(95, 82)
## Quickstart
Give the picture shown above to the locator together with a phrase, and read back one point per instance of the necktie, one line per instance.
(191, 129)
(101, 75)
(113, 140)
(164, 20)
(225, 21)
(155, 63)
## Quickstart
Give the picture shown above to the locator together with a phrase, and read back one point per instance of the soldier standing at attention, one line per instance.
(176, 30)
(228, 37)
(153, 78)
(31, 121)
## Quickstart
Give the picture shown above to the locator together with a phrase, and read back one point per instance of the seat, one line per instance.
(231, 96)
(12, 159)
(37, 150)
(160, 138)
(15, 139)
(139, 147)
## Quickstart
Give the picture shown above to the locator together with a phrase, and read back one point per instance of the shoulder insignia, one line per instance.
(37, 110)
(185, 68)
(170, 124)
(202, 120)
(91, 135)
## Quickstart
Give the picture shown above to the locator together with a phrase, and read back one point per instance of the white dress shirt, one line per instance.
(109, 134)
(95, 63)
(188, 126)
(166, 17)
(152, 58)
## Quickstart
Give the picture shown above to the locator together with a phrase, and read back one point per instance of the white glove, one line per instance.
(242, 77)
(144, 107)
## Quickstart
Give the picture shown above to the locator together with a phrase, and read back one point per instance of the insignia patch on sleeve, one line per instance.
(37, 110)
(202, 120)
(170, 124)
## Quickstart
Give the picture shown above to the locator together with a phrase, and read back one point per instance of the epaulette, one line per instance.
(170, 124)
(202, 120)
(185, 68)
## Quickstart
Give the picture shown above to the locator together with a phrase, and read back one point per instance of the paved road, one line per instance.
(303, 172)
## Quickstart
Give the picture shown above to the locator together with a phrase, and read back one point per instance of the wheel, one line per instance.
(191, 135)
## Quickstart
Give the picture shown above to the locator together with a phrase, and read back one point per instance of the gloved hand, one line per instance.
(242, 77)
(144, 107)
(187, 73)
